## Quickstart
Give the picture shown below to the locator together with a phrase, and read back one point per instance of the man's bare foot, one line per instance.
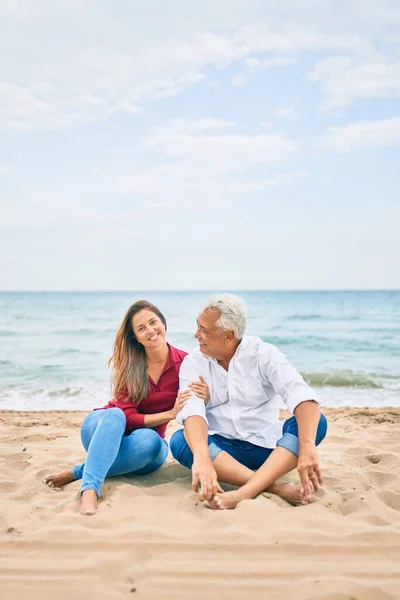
(57, 480)
(88, 503)
(290, 492)
(227, 500)
(211, 504)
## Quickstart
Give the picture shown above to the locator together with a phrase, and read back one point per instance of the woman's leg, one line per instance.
(141, 452)
(281, 461)
(88, 428)
(101, 434)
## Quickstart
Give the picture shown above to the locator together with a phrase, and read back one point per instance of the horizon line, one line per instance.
(203, 290)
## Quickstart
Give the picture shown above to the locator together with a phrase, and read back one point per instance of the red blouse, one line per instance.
(161, 396)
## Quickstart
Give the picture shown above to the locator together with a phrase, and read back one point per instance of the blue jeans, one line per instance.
(109, 453)
(247, 454)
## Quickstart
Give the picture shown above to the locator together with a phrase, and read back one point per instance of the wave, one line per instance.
(9, 333)
(325, 317)
(351, 379)
(84, 331)
(305, 317)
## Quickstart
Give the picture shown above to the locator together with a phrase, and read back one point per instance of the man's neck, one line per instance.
(224, 361)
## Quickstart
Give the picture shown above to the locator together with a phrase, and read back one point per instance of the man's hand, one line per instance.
(308, 468)
(205, 477)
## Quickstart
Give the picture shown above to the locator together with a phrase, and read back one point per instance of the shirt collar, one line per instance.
(244, 342)
(173, 357)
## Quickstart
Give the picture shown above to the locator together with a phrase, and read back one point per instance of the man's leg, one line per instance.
(229, 466)
(280, 462)
(226, 461)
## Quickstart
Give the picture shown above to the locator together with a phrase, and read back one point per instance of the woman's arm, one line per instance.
(136, 420)
(200, 388)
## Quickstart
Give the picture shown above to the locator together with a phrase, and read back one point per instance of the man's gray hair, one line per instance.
(233, 313)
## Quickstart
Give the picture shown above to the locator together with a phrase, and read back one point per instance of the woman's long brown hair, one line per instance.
(129, 357)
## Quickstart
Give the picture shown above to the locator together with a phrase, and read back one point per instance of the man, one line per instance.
(238, 431)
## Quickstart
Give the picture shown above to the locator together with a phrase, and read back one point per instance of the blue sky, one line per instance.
(210, 145)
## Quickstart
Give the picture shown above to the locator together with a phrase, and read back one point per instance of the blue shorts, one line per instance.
(247, 454)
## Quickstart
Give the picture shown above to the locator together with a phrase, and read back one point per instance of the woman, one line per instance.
(128, 435)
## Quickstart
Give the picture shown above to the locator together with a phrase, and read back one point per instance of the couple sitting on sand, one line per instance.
(227, 403)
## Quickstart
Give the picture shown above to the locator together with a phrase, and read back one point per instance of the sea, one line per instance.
(55, 346)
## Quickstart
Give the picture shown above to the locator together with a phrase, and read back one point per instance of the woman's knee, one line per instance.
(111, 418)
(151, 443)
(114, 418)
(114, 414)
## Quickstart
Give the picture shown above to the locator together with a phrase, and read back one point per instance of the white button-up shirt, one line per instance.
(244, 401)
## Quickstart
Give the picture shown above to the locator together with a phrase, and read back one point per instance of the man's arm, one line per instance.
(303, 403)
(203, 472)
(193, 417)
(307, 416)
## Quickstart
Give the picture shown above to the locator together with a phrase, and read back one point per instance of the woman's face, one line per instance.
(148, 328)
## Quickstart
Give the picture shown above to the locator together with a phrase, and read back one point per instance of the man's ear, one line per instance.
(230, 335)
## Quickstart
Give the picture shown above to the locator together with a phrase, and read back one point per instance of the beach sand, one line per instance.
(152, 538)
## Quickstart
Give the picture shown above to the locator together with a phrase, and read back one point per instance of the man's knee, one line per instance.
(322, 429)
(177, 444)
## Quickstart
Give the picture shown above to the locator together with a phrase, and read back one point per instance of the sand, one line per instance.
(152, 538)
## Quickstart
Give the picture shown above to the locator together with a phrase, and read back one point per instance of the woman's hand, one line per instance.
(181, 399)
(200, 388)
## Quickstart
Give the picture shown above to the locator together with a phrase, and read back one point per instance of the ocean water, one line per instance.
(54, 346)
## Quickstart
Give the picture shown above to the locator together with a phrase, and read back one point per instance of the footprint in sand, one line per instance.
(391, 499)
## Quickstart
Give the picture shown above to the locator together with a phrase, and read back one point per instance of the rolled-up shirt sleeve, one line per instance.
(190, 371)
(285, 379)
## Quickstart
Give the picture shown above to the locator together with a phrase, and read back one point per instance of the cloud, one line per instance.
(286, 112)
(239, 80)
(189, 126)
(5, 169)
(205, 161)
(76, 76)
(362, 135)
(268, 63)
(222, 151)
(345, 79)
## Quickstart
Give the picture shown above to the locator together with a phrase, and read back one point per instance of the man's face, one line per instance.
(212, 340)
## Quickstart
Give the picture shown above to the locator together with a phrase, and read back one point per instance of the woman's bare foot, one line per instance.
(290, 492)
(88, 503)
(57, 480)
(227, 500)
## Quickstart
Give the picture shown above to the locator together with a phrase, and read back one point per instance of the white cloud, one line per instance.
(267, 63)
(239, 80)
(346, 79)
(286, 112)
(74, 76)
(366, 134)
(205, 165)
(44, 209)
(5, 169)
(189, 126)
(225, 152)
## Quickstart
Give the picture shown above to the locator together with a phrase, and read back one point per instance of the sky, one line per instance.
(190, 144)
